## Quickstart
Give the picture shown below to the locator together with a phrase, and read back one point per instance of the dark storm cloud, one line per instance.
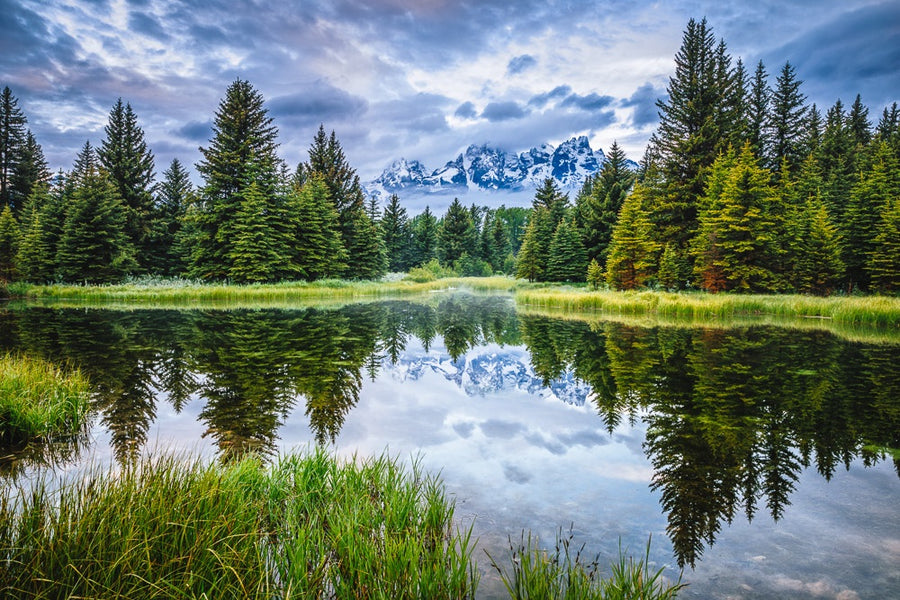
(466, 110)
(858, 52)
(520, 63)
(643, 100)
(592, 102)
(503, 111)
(541, 100)
(317, 103)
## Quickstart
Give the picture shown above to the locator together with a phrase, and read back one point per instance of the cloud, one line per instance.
(317, 103)
(643, 101)
(541, 100)
(503, 111)
(197, 131)
(519, 64)
(148, 25)
(592, 102)
(466, 110)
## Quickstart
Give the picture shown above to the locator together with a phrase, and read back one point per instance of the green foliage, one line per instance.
(12, 139)
(568, 259)
(597, 205)
(884, 260)
(317, 246)
(397, 235)
(674, 269)
(254, 254)
(39, 400)
(816, 247)
(595, 274)
(40, 230)
(530, 261)
(94, 246)
(457, 234)
(129, 164)
(786, 120)
(167, 239)
(9, 244)
(365, 248)
(632, 250)
(424, 241)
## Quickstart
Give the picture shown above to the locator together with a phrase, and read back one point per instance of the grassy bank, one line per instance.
(308, 526)
(187, 293)
(39, 400)
(877, 311)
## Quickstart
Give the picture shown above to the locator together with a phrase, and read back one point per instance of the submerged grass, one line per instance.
(567, 573)
(305, 527)
(39, 400)
(881, 311)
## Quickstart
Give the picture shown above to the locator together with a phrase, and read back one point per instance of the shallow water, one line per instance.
(758, 457)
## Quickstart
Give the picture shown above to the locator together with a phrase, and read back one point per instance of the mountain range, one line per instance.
(485, 168)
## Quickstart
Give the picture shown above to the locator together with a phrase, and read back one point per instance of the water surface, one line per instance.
(761, 459)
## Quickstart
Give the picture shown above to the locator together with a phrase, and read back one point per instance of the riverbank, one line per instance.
(40, 401)
(307, 526)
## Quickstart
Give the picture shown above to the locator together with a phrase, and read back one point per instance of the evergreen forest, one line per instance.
(744, 187)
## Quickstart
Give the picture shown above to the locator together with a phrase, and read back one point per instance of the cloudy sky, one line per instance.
(415, 78)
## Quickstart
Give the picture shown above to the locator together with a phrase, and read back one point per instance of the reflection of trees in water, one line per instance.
(732, 416)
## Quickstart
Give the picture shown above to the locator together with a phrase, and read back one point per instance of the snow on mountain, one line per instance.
(491, 371)
(485, 168)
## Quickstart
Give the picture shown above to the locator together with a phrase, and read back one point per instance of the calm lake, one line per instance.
(763, 459)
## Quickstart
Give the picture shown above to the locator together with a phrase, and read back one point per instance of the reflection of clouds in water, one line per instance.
(819, 589)
(515, 474)
(464, 429)
(504, 430)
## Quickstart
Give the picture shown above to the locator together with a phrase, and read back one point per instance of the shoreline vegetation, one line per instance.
(40, 401)
(870, 311)
(308, 525)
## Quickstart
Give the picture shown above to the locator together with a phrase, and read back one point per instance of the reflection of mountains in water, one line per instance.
(489, 372)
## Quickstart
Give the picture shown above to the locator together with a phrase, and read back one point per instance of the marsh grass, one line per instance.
(39, 400)
(566, 573)
(178, 292)
(305, 527)
(879, 311)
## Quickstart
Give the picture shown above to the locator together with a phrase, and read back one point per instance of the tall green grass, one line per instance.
(879, 311)
(177, 292)
(565, 573)
(39, 400)
(305, 527)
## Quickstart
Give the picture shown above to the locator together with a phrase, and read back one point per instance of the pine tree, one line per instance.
(125, 157)
(884, 260)
(318, 249)
(673, 269)
(811, 140)
(94, 246)
(9, 244)
(598, 205)
(40, 229)
(397, 235)
(32, 170)
(594, 274)
(567, 260)
(735, 246)
(167, 255)
(632, 251)
(499, 249)
(786, 120)
(12, 140)
(242, 152)
(367, 255)
(858, 123)
(456, 234)
(837, 161)
(254, 254)
(424, 238)
(816, 249)
(758, 112)
(529, 262)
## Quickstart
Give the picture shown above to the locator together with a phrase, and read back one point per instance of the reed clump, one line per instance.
(304, 527)
(565, 572)
(39, 400)
(881, 311)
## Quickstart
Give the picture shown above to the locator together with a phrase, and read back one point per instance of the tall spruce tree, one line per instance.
(530, 264)
(837, 159)
(12, 140)
(319, 251)
(456, 235)
(599, 203)
(94, 246)
(632, 252)
(758, 112)
(424, 238)
(9, 244)
(883, 263)
(397, 235)
(568, 258)
(364, 245)
(42, 220)
(242, 152)
(129, 163)
(786, 120)
(175, 193)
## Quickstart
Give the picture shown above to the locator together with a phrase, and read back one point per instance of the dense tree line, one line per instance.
(743, 187)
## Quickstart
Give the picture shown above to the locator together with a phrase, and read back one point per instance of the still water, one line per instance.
(762, 460)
